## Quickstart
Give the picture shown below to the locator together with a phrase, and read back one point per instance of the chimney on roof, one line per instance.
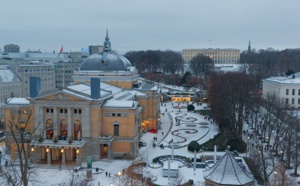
(34, 86)
(95, 88)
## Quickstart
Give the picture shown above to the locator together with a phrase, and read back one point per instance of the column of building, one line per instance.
(55, 123)
(86, 130)
(70, 131)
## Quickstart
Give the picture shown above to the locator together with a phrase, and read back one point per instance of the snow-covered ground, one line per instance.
(179, 126)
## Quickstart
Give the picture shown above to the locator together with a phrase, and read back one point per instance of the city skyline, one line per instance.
(157, 25)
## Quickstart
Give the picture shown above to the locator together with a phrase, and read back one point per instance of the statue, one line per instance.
(89, 162)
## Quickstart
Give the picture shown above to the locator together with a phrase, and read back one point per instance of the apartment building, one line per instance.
(43, 70)
(285, 87)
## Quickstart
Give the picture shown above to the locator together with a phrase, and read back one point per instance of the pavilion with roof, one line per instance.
(227, 172)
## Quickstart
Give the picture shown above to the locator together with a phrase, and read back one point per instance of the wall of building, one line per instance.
(46, 72)
(18, 119)
(289, 93)
(64, 73)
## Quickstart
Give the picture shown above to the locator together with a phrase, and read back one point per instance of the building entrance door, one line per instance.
(103, 150)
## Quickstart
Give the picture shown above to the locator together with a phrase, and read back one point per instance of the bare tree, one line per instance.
(121, 178)
(177, 181)
(75, 179)
(296, 150)
(171, 62)
(231, 97)
(201, 65)
(19, 135)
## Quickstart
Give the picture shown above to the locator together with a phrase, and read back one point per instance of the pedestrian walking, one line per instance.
(109, 175)
(162, 133)
(6, 164)
(106, 173)
(59, 168)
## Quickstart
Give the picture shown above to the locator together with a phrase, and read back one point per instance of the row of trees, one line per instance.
(168, 66)
(270, 62)
(231, 97)
(156, 60)
(261, 64)
(234, 99)
(273, 121)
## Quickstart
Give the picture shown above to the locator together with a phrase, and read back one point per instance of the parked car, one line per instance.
(239, 160)
(210, 163)
(142, 143)
(235, 153)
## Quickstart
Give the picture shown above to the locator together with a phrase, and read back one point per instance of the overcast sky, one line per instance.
(150, 25)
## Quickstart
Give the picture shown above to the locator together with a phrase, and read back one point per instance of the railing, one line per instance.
(61, 143)
(105, 138)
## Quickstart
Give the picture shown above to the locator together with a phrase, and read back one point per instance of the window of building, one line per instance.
(116, 129)
(298, 101)
(63, 110)
(49, 110)
(299, 92)
(63, 129)
(113, 114)
(293, 92)
(293, 101)
(287, 92)
(77, 111)
(49, 128)
(77, 129)
(119, 115)
(286, 101)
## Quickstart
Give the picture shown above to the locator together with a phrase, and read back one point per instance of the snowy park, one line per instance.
(178, 128)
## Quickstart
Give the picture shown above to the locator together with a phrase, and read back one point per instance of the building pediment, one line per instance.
(62, 96)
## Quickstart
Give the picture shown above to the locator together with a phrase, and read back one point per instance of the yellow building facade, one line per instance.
(217, 55)
(100, 116)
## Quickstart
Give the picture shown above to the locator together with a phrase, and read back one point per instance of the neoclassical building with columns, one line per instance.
(100, 116)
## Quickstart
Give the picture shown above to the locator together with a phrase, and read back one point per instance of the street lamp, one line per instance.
(275, 177)
(119, 175)
(248, 147)
(279, 169)
(281, 155)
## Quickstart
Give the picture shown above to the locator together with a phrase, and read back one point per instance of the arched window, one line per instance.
(49, 128)
(77, 129)
(63, 128)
